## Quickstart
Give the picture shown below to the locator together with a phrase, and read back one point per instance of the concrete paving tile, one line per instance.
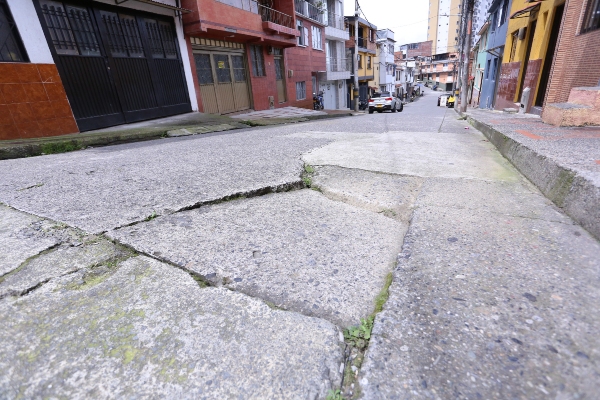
(423, 154)
(61, 260)
(298, 250)
(392, 195)
(147, 330)
(100, 189)
(22, 236)
(488, 306)
(510, 198)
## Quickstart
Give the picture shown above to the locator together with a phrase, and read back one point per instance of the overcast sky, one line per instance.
(407, 18)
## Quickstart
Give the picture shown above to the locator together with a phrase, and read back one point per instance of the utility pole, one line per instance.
(355, 63)
(464, 83)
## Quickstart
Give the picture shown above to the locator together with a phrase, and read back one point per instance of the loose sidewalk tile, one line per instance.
(297, 250)
(488, 306)
(519, 199)
(423, 154)
(104, 188)
(62, 260)
(22, 236)
(147, 330)
(391, 195)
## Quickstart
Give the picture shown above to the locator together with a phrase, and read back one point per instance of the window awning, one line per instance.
(158, 4)
(526, 12)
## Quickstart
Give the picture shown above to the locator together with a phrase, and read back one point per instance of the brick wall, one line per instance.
(33, 102)
(577, 57)
(423, 50)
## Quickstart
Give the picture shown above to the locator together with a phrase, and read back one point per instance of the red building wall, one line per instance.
(577, 57)
(33, 102)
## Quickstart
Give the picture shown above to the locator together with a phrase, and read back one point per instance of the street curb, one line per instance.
(35, 147)
(576, 195)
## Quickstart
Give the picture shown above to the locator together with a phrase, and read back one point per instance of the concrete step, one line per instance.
(589, 96)
(570, 114)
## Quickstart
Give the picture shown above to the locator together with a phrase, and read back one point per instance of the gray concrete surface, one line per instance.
(297, 250)
(147, 330)
(494, 292)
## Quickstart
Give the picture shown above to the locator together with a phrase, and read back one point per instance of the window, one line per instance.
(369, 66)
(360, 64)
(258, 62)
(513, 48)
(591, 21)
(317, 39)
(203, 69)
(11, 47)
(503, 13)
(487, 69)
(300, 90)
(303, 38)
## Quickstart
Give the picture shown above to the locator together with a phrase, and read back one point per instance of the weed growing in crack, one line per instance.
(60, 147)
(309, 169)
(357, 339)
(334, 395)
(388, 212)
(307, 175)
(201, 281)
(151, 216)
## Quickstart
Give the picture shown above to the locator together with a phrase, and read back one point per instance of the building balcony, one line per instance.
(335, 29)
(276, 21)
(310, 11)
(337, 68)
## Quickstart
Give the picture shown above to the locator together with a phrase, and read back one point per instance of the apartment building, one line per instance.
(73, 66)
(362, 49)
(443, 29)
(385, 68)
(333, 81)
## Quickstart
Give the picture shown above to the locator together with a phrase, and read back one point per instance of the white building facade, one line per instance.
(385, 60)
(332, 82)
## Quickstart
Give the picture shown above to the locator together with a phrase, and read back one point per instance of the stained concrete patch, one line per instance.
(62, 260)
(22, 236)
(149, 331)
(195, 130)
(297, 250)
(488, 306)
(100, 189)
(422, 154)
(520, 199)
(390, 195)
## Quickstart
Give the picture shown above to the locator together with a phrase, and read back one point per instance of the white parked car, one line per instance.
(385, 101)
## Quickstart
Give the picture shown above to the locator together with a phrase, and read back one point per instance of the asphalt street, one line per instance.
(231, 265)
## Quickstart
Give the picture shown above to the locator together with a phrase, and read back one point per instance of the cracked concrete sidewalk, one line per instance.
(232, 266)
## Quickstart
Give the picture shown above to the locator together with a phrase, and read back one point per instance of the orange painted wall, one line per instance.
(33, 102)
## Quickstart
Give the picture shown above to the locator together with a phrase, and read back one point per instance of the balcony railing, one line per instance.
(349, 65)
(310, 11)
(335, 64)
(335, 21)
(269, 15)
(248, 5)
(362, 42)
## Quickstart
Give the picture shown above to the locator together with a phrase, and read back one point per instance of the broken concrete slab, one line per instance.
(486, 305)
(388, 194)
(298, 250)
(22, 236)
(195, 130)
(147, 329)
(61, 260)
(423, 154)
(100, 189)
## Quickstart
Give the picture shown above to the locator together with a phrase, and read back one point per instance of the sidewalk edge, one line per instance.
(576, 195)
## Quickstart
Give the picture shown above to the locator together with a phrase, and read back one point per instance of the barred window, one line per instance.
(301, 90)
(258, 62)
(239, 72)
(591, 21)
(204, 69)
(11, 47)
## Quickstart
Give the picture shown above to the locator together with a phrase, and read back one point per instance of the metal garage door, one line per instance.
(223, 81)
(117, 65)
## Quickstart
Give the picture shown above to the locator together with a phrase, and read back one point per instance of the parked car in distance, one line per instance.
(385, 101)
(447, 94)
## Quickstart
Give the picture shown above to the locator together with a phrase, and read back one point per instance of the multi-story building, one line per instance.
(243, 52)
(71, 66)
(362, 49)
(443, 29)
(480, 17)
(479, 54)
(384, 61)
(333, 81)
(440, 69)
(494, 84)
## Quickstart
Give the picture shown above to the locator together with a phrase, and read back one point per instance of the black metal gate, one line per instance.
(117, 65)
